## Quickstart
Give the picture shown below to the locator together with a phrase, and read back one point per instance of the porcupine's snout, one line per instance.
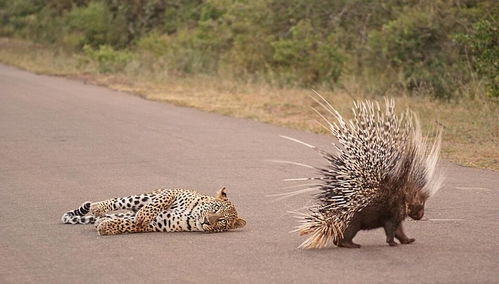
(416, 212)
(416, 206)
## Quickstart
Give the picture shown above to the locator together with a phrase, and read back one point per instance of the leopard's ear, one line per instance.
(221, 195)
(239, 223)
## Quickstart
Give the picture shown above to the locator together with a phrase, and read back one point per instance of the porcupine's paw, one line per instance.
(107, 227)
(392, 243)
(407, 241)
(98, 209)
(344, 244)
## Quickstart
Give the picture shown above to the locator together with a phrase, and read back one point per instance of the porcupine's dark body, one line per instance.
(384, 172)
(373, 216)
(387, 212)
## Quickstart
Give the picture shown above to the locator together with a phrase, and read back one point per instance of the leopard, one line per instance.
(162, 210)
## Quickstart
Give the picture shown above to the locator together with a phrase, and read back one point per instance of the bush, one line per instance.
(29, 19)
(108, 59)
(407, 44)
(305, 58)
(249, 53)
(416, 47)
(196, 50)
(90, 24)
(482, 43)
(154, 44)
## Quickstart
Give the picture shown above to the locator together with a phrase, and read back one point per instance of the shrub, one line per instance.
(91, 22)
(407, 44)
(248, 52)
(416, 47)
(108, 59)
(153, 44)
(482, 43)
(305, 58)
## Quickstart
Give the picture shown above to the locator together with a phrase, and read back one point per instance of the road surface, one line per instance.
(63, 142)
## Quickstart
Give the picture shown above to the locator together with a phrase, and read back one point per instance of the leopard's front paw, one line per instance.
(107, 227)
(98, 209)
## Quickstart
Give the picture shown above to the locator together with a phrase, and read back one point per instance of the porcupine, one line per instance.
(383, 172)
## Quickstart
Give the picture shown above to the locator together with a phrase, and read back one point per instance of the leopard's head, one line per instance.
(222, 215)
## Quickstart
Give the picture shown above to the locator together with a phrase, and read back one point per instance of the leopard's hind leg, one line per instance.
(133, 203)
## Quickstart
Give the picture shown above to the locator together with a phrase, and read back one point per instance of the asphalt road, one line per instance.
(63, 142)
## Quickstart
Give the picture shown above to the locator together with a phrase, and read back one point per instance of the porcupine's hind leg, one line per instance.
(401, 236)
(133, 202)
(349, 234)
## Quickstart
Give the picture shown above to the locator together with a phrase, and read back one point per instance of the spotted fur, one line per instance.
(164, 210)
(384, 171)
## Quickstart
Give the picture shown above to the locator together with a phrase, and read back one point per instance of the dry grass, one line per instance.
(471, 127)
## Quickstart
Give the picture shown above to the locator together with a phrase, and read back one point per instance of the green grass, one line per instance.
(471, 125)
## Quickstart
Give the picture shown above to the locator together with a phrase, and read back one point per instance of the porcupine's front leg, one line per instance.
(390, 228)
(133, 202)
(401, 236)
(151, 210)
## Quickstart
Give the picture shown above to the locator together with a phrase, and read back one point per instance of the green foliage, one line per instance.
(408, 44)
(305, 58)
(196, 50)
(134, 18)
(246, 27)
(107, 58)
(416, 48)
(153, 44)
(482, 43)
(181, 14)
(16, 16)
(91, 23)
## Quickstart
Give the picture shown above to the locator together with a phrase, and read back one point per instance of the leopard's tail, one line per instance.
(77, 216)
